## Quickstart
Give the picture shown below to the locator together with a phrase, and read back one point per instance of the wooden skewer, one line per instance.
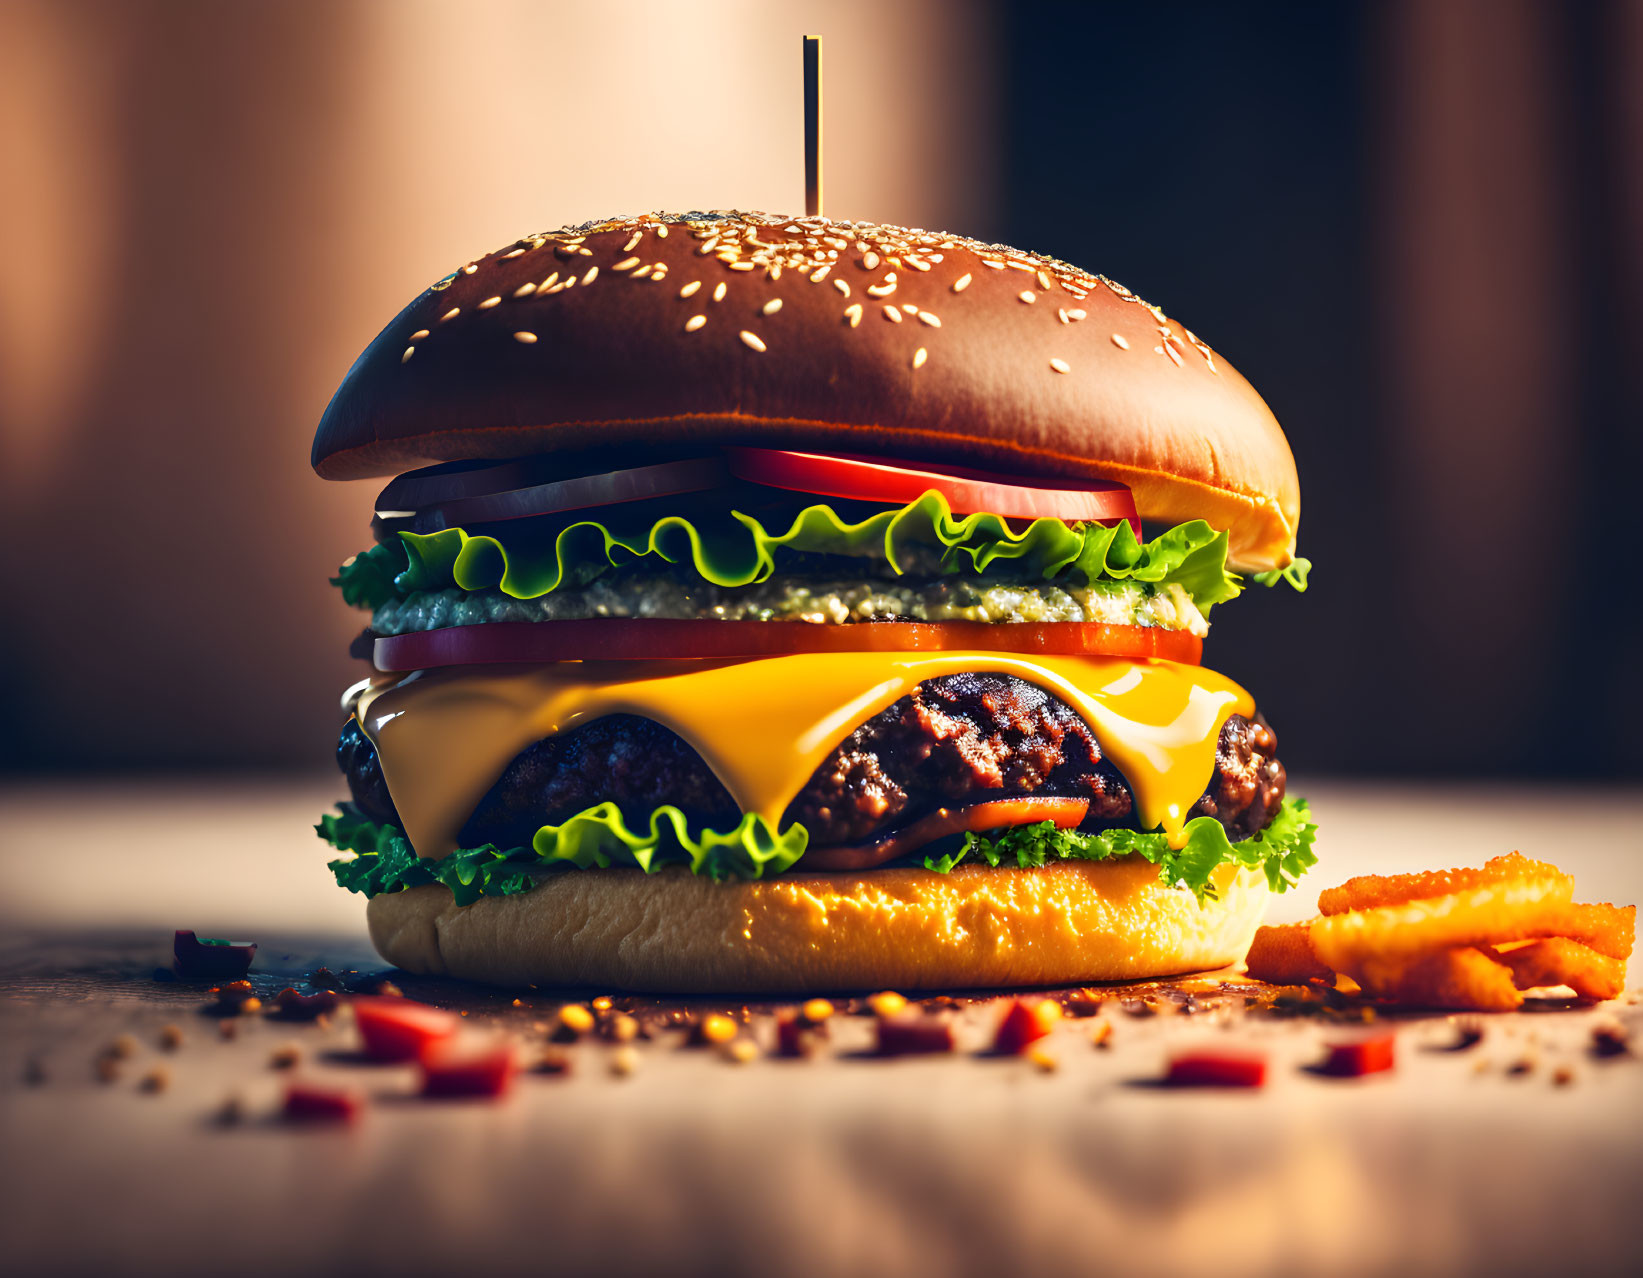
(812, 127)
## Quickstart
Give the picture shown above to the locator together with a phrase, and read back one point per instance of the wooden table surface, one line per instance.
(1475, 1161)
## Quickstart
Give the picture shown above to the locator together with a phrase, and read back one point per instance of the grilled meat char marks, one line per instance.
(955, 740)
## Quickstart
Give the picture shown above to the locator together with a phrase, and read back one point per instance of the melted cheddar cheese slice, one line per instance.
(764, 725)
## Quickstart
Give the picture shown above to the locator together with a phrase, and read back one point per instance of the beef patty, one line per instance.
(954, 740)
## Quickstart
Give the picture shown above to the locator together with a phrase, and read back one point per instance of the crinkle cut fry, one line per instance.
(1557, 960)
(1371, 891)
(1608, 929)
(1283, 955)
(1463, 979)
(1511, 910)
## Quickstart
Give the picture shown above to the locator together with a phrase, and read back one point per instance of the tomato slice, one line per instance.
(645, 639)
(1022, 810)
(967, 491)
(397, 1029)
(429, 501)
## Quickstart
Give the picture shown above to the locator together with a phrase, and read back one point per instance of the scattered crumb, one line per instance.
(742, 1051)
(624, 1060)
(602, 1003)
(716, 1028)
(171, 1038)
(623, 1028)
(1610, 1038)
(519, 1002)
(816, 1010)
(554, 1062)
(1101, 1036)
(1043, 1060)
(107, 1069)
(387, 989)
(122, 1048)
(574, 1021)
(1562, 1076)
(156, 1080)
(228, 1029)
(1522, 1065)
(286, 1056)
(888, 1003)
(231, 1112)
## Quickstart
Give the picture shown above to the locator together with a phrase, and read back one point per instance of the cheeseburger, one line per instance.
(787, 604)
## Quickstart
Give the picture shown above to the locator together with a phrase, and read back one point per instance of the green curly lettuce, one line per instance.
(732, 548)
(381, 859)
(1283, 851)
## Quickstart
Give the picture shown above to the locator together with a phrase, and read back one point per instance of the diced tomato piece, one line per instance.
(1023, 1024)
(1362, 1056)
(1217, 1069)
(451, 1070)
(914, 1035)
(306, 1103)
(396, 1029)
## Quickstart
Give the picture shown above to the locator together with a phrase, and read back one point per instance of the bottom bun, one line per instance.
(1067, 923)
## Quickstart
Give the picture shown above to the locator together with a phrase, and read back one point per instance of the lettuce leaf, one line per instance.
(381, 859)
(1283, 851)
(732, 548)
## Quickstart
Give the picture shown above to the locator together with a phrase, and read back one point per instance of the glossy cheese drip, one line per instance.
(765, 725)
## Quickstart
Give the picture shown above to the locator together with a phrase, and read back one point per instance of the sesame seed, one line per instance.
(548, 283)
(1076, 314)
(490, 302)
(962, 282)
(751, 340)
(661, 230)
(627, 263)
(926, 318)
(593, 274)
(1044, 280)
(719, 293)
(892, 314)
(1157, 350)
(528, 339)
(870, 262)
(515, 253)
(919, 356)
(909, 308)
(689, 290)
(470, 268)
(450, 314)
(409, 351)
(642, 273)
(853, 311)
(419, 334)
(694, 323)
(772, 306)
(821, 274)
(843, 286)
(1061, 366)
(524, 290)
(1061, 313)
(628, 247)
(1174, 354)
(708, 247)
(997, 266)
(918, 264)
(744, 266)
(1029, 296)
(881, 290)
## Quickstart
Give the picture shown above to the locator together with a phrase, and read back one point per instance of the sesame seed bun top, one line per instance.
(667, 332)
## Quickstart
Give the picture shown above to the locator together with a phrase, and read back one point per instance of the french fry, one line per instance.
(1372, 891)
(1283, 955)
(1608, 929)
(1559, 961)
(1510, 910)
(1464, 979)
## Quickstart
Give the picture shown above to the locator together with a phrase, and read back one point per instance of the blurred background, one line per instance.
(1417, 227)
